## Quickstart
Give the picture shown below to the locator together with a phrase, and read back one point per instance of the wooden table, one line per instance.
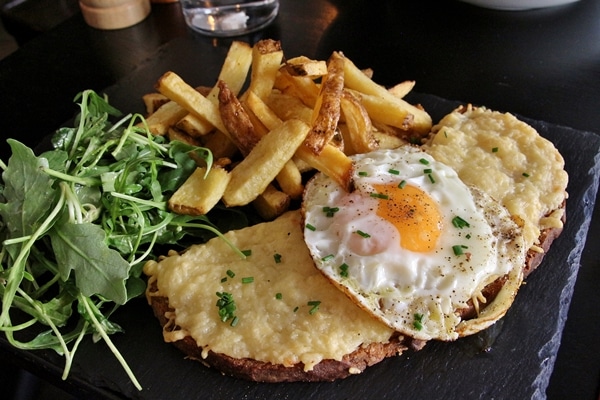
(541, 64)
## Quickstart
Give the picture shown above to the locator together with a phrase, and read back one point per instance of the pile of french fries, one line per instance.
(268, 120)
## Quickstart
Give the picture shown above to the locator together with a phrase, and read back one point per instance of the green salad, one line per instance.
(79, 221)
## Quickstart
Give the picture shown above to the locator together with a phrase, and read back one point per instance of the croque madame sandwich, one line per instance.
(433, 243)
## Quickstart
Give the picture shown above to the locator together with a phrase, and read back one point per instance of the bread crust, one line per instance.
(533, 259)
(547, 237)
(259, 371)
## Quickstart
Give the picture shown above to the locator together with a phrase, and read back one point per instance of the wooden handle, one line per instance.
(114, 14)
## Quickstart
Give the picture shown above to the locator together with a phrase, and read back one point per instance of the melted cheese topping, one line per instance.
(280, 329)
(507, 159)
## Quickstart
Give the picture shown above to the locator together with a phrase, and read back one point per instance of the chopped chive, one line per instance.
(424, 161)
(458, 249)
(310, 227)
(224, 279)
(248, 279)
(235, 321)
(431, 179)
(402, 184)
(460, 223)
(427, 171)
(226, 306)
(314, 306)
(296, 309)
(379, 196)
(468, 236)
(278, 296)
(363, 173)
(363, 234)
(247, 253)
(526, 175)
(277, 258)
(230, 273)
(328, 258)
(344, 270)
(494, 149)
(330, 211)
(445, 134)
(418, 322)
(394, 171)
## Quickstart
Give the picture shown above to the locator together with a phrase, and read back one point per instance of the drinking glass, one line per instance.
(223, 18)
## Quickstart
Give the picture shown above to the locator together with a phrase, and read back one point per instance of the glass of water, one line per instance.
(224, 18)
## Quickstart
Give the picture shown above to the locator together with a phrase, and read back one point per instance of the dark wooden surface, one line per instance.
(542, 64)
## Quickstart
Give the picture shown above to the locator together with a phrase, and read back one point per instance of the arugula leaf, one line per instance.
(98, 269)
(79, 221)
(25, 184)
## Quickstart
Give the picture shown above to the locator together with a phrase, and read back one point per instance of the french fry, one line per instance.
(234, 72)
(387, 141)
(297, 115)
(326, 113)
(166, 116)
(302, 87)
(255, 172)
(194, 125)
(398, 115)
(288, 107)
(262, 111)
(153, 101)
(271, 203)
(304, 66)
(176, 89)
(235, 69)
(236, 120)
(266, 60)
(402, 89)
(289, 178)
(176, 134)
(383, 105)
(332, 162)
(200, 192)
(219, 145)
(360, 129)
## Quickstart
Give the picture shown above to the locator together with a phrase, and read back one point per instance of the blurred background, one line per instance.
(8, 44)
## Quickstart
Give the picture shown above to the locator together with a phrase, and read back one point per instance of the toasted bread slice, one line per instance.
(293, 325)
(510, 161)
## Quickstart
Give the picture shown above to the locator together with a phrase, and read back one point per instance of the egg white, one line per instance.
(417, 293)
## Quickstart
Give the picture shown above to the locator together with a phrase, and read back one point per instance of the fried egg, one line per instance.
(412, 244)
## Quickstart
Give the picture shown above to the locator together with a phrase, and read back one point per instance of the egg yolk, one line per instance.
(413, 212)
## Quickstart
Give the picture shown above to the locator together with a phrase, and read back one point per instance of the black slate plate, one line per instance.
(522, 346)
